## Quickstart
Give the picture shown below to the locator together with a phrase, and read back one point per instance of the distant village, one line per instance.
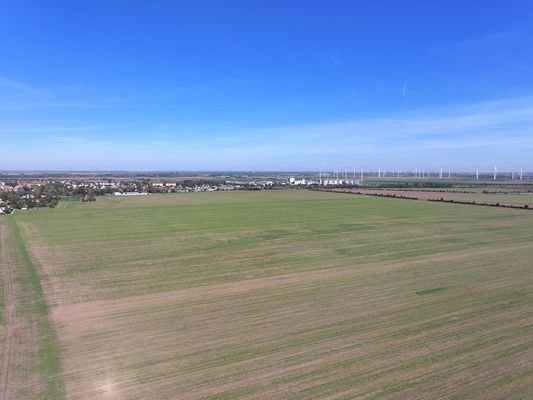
(31, 193)
(23, 194)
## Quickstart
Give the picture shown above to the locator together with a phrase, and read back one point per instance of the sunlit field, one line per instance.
(272, 295)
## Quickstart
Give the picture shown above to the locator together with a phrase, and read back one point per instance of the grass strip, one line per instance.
(430, 291)
(50, 366)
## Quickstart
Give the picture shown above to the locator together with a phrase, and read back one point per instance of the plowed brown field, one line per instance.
(514, 199)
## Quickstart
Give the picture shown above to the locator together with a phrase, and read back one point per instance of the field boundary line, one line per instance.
(447, 201)
(9, 305)
(50, 365)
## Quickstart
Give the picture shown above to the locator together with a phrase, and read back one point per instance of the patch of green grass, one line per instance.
(1, 288)
(49, 354)
(430, 291)
(68, 199)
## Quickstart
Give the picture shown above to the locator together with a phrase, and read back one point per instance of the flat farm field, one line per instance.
(280, 295)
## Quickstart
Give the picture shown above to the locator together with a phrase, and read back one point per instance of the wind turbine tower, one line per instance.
(477, 174)
(495, 170)
(521, 172)
(440, 174)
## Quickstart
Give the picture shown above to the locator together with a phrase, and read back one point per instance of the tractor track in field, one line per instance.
(9, 304)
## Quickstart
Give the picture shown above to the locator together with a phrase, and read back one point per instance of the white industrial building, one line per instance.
(323, 182)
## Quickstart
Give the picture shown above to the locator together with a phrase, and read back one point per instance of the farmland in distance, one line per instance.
(283, 295)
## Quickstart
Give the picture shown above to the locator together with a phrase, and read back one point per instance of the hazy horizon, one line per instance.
(251, 86)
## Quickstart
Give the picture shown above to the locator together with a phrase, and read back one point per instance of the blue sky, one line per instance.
(266, 85)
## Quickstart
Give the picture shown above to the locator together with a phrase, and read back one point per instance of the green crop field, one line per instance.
(270, 295)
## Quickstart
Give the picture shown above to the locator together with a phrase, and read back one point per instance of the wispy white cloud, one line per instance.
(45, 127)
(483, 130)
(18, 96)
(463, 135)
(492, 118)
(508, 51)
(509, 39)
(14, 85)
